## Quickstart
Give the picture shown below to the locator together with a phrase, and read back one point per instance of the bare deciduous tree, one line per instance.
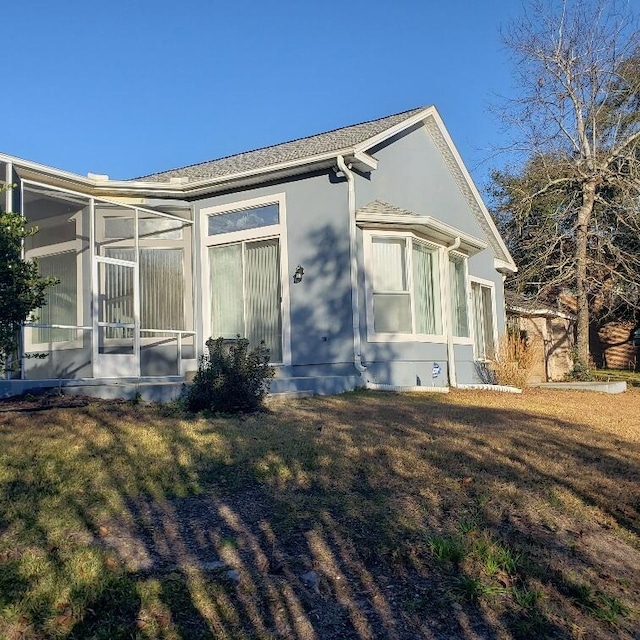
(573, 204)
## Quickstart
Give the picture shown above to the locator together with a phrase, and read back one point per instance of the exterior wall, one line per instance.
(318, 323)
(412, 175)
(317, 238)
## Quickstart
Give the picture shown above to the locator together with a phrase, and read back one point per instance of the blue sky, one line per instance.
(131, 87)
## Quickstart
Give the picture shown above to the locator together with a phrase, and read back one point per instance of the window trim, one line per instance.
(454, 338)
(70, 246)
(278, 231)
(150, 243)
(482, 282)
(372, 335)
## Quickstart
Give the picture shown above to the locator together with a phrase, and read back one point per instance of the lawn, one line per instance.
(469, 515)
(632, 378)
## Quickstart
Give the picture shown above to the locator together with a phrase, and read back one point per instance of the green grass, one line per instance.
(632, 378)
(418, 515)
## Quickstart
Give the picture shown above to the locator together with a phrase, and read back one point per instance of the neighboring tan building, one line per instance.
(549, 331)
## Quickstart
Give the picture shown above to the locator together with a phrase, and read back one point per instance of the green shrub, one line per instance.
(231, 378)
(580, 373)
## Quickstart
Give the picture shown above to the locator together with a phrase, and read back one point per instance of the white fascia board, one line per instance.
(392, 131)
(502, 266)
(476, 194)
(192, 188)
(427, 222)
(302, 165)
(365, 161)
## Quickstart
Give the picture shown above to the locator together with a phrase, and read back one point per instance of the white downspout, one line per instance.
(353, 247)
(451, 358)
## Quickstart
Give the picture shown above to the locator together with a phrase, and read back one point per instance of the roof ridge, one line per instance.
(278, 144)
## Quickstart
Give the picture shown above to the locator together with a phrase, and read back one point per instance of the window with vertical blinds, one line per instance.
(458, 297)
(244, 280)
(62, 298)
(406, 286)
(162, 286)
(483, 321)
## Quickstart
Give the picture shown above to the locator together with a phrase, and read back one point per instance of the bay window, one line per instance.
(405, 286)
(458, 296)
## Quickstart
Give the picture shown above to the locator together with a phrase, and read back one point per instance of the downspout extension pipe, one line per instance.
(353, 247)
(451, 359)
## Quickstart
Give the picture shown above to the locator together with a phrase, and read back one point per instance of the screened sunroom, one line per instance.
(123, 303)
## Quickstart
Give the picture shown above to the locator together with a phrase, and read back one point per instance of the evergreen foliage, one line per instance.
(22, 290)
(232, 378)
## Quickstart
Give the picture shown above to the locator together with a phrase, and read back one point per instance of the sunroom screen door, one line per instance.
(245, 293)
(117, 326)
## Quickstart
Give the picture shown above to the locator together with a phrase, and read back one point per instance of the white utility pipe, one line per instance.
(374, 386)
(451, 356)
(353, 247)
(490, 387)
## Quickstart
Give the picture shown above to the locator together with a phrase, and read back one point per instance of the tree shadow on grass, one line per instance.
(316, 522)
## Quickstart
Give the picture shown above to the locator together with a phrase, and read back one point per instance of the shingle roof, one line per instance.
(300, 149)
(380, 206)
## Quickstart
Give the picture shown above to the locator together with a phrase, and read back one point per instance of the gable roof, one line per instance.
(295, 150)
(289, 159)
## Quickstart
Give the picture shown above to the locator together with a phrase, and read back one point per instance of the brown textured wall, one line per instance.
(612, 346)
(553, 340)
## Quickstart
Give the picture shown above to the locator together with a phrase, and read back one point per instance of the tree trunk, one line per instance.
(584, 216)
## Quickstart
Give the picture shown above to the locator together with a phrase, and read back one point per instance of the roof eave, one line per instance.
(504, 267)
(100, 186)
(441, 230)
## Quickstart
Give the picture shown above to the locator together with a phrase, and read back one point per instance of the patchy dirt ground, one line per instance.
(362, 516)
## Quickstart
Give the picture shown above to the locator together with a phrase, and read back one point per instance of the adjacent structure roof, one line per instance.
(519, 304)
(309, 147)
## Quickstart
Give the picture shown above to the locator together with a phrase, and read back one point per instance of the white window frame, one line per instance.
(277, 231)
(372, 335)
(492, 286)
(460, 339)
(151, 243)
(70, 246)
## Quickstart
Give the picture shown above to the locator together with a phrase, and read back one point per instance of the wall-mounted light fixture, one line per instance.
(297, 275)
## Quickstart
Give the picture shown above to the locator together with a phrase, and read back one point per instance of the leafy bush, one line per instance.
(580, 372)
(22, 290)
(231, 378)
(514, 359)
